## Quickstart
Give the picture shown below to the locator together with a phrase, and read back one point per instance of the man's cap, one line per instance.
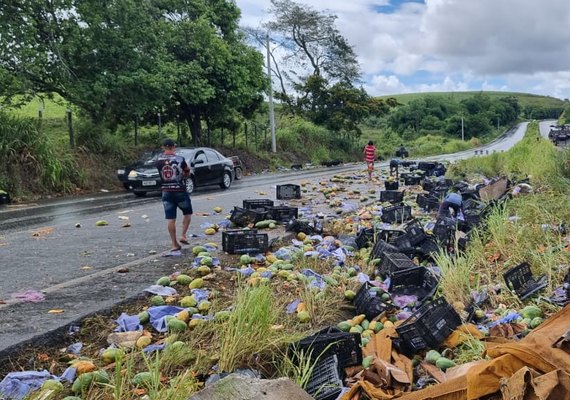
(168, 143)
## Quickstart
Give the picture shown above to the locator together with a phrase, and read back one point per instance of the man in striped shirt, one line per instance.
(369, 156)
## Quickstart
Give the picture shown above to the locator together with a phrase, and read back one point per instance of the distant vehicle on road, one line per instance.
(209, 167)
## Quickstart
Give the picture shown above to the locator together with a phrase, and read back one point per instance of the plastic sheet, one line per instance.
(161, 290)
(157, 316)
(128, 323)
(17, 385)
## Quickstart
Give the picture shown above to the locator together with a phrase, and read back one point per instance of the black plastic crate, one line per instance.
(427, 202)
(403, 243)
(256, 204)
(381, 248)
(282, 213)
(426, 166)
(520, 280)
(394, 262)
(394, 185)
(243, 217)
(368, 302)
(397, 214)
(288, 192)
(325, 382)
(470, 194)
(462, 243)
(429, 184)
(389, 235)
(415, 232)
(473, 217)
(392, 196)
(233, 232)
(245, 242)
(428, 326)
(331, 341)
(473, 204)
(364, 237)
(428, 247)
(439, 192)
(305, 226)
(444, 229)
(412, 180)
(418, 281)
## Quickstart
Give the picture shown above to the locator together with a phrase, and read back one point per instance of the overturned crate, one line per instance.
(325, 382)
(257, 204)
(394, 262)
(391, 196)
(327, 342)
(365, 237)
(368, 301)
(288, 192)
(427, 202)
(521, 281)
(397, 214)
(381, 248)
(244, 217)
(417, 281)
(244, 242)
(282, 213)
(427, 327)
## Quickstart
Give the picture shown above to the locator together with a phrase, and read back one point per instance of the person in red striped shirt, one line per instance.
(369, 157)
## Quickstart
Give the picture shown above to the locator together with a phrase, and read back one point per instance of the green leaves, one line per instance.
(118, 60)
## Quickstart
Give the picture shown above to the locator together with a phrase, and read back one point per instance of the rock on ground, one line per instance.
(238, 387)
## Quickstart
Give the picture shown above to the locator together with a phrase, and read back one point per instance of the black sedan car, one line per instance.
(208, 167)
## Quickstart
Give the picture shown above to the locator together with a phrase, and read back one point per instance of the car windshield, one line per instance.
(188, 154)
(150, 157)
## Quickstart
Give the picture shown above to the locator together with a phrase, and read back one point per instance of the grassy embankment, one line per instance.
(524, 229)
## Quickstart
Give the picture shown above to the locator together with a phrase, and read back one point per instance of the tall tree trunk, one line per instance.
(195, 125)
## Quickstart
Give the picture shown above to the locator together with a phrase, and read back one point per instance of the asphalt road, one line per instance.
(77, 268)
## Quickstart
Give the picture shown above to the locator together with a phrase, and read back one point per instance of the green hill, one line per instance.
(525, 99)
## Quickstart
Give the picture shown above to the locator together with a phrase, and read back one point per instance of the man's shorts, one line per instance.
(370, 166)
(174, 200)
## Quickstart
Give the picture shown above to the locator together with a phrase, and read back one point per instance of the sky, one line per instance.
(406, 46)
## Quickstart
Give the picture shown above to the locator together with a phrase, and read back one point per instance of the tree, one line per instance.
(315, 44)
(119, 59)
(316, 57)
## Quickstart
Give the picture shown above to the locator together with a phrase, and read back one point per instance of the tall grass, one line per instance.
(248, 330)
(27, 153)
(522, 230)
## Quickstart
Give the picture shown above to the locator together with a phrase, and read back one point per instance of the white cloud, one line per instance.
(519, 45)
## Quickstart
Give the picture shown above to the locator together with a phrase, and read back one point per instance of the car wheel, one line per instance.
(140, 194)
(238, 173)
(190, 185)
(226, 180)
(126, 186)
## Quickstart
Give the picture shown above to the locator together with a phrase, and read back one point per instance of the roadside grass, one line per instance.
(249, 329)
(27, 153)
(525, 229)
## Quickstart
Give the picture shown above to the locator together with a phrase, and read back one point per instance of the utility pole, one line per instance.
(271, 110)
(462, 130)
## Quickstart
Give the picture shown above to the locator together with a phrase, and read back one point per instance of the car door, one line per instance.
(216, 167)
(200, 167)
